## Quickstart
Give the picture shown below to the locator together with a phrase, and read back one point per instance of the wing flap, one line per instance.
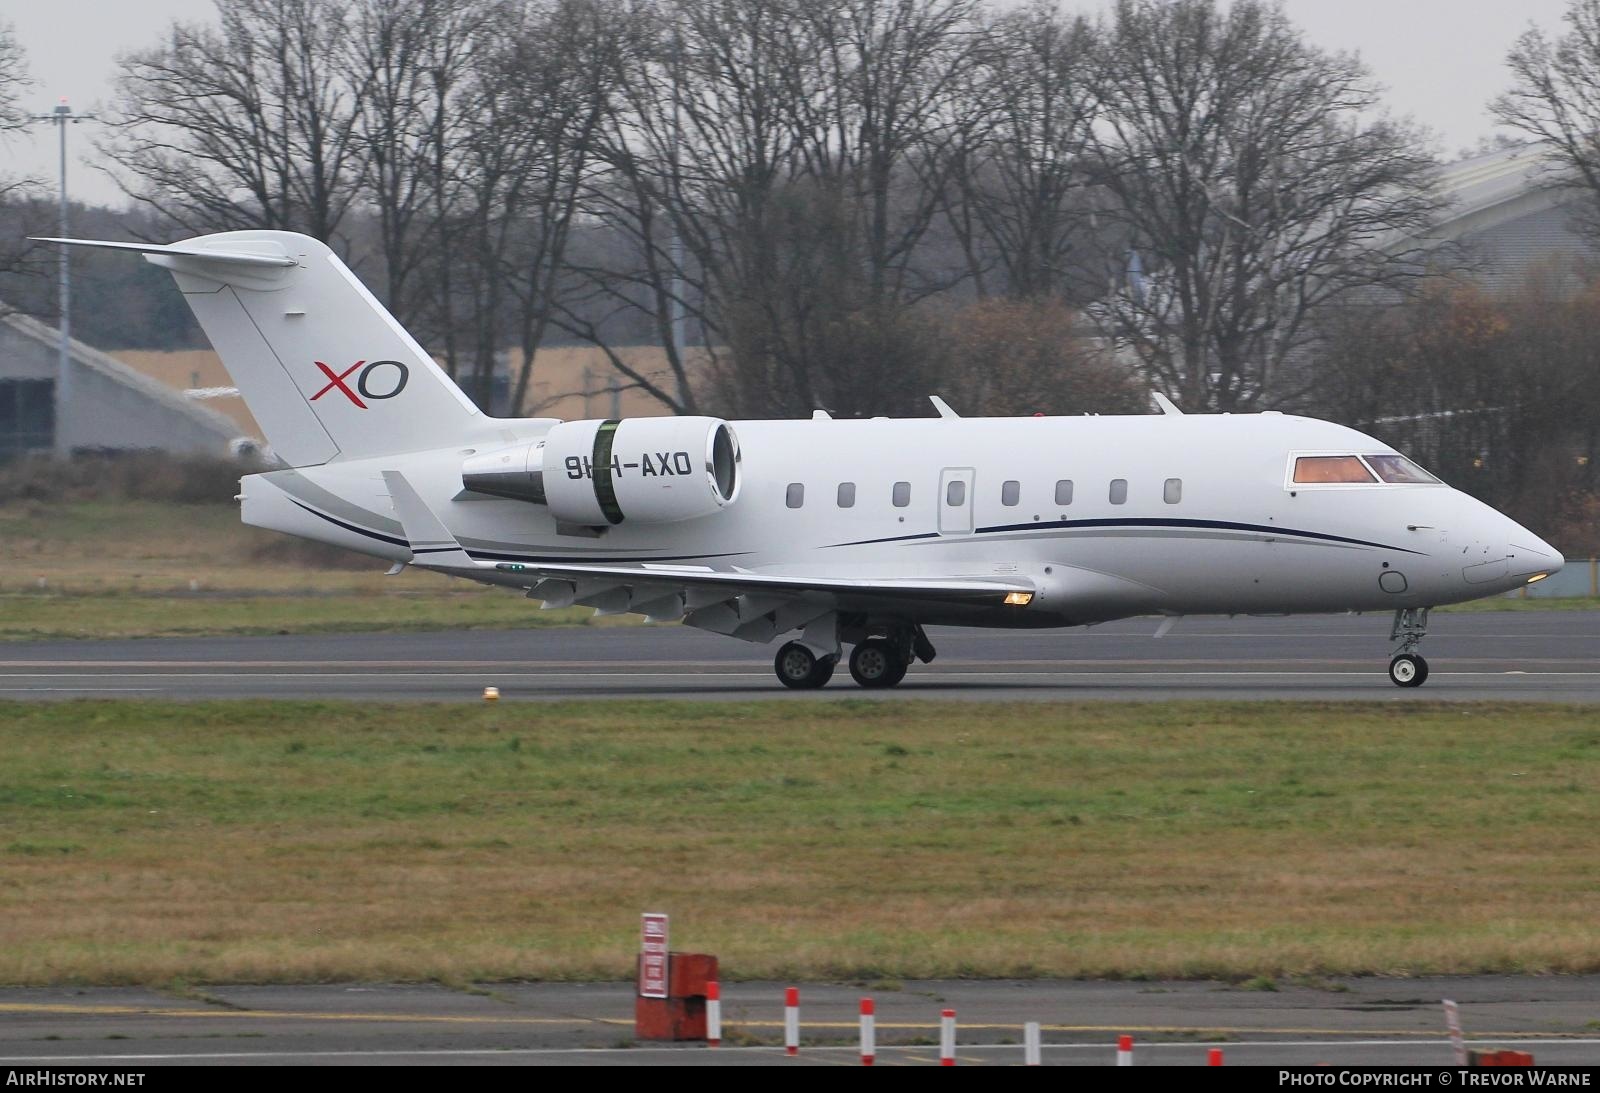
(980, 591)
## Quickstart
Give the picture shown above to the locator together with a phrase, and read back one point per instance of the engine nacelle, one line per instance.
(653, 470)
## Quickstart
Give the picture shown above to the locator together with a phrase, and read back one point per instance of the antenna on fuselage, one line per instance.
(942, 406)
(1167, 405)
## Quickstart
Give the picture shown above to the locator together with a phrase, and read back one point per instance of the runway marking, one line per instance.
(292, 1015)
(903, 1052)
(81, 690)
(752, 672)
(96, 1010)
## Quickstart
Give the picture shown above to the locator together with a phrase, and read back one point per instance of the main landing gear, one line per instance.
(875, 662)
(1408, 668)
(798, 667)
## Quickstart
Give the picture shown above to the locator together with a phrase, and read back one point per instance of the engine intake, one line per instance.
(653, 470)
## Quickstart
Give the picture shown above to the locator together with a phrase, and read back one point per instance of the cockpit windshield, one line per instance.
(1397, 468)
(1358, 470)
(1327, 469)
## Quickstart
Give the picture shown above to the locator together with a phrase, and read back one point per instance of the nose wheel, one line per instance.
(1408, 668)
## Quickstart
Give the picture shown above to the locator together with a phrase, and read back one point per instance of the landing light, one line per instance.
(1537, 577)
(1018, 599)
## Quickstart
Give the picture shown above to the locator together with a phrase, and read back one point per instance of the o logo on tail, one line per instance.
(364, 381)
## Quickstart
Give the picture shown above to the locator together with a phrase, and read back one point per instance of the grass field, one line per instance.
(160, 569)
(147, 842)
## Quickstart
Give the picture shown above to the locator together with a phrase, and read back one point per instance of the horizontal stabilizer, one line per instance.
(432, 545)
(179, 250)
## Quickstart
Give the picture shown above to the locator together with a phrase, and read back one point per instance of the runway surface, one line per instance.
(1347, 1022)
(1543, 655)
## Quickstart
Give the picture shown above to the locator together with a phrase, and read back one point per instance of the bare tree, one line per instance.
(1016, 356)
(558, 70)
(888, 119)
(416, 55)
(13, 79)
(1555, 99)
(250, 124)
(1020, 198)
(700, 137)
(17, 254)
(1257, 190)
(773, 167)
(1493, 393)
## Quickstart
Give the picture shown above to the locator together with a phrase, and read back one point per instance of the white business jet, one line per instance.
(851, 533)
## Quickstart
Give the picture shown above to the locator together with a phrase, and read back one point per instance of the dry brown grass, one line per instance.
(235, 842)
(140, 568)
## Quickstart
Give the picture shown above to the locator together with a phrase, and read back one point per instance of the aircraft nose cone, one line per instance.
(1528, 554)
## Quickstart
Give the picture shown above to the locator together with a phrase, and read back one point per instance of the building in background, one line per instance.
(112, 407)
(1504, 220)
(569, 382)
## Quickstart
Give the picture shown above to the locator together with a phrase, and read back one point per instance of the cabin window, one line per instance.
(1064, 492)
(1010, 492)
(956, 493)
(1172, 492)
(796, 495)
(1119, 491)
(1331, 469)
(847, 495)
(902, 494)
(1399, 469)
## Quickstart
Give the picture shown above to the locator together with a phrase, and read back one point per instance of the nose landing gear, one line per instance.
(1408, 668)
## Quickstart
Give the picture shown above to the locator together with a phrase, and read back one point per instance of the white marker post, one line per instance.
(1124, 1050)
(713, 1014)
(869, 1032)
(1030, 1044)
(947, 1038)
(791, 1021)
(1452, 1021)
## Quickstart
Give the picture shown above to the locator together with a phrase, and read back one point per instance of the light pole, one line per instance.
(60, 116)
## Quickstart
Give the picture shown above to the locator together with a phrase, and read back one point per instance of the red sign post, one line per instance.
(653, 956)
(674, 988)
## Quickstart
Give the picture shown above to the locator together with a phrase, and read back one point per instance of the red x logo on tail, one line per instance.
(337, 380)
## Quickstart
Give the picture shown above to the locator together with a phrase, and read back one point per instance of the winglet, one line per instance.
(1167, 405)
(432, 545)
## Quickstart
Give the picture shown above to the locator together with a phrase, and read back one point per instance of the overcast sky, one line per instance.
(1442, 60)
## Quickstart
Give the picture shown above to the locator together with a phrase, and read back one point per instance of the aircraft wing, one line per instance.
(754, 606)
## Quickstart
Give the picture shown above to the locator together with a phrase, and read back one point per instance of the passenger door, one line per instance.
(955, 500)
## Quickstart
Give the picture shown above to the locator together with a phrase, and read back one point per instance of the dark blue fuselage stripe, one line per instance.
(1043, 525)
(1213, 525)
(891, 539)
(358, 529)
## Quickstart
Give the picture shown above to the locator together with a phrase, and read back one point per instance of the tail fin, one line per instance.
(325, 369)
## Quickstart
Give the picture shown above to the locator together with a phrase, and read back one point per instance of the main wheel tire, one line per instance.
(876, 663)
(1408, 670)
(798, 667)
